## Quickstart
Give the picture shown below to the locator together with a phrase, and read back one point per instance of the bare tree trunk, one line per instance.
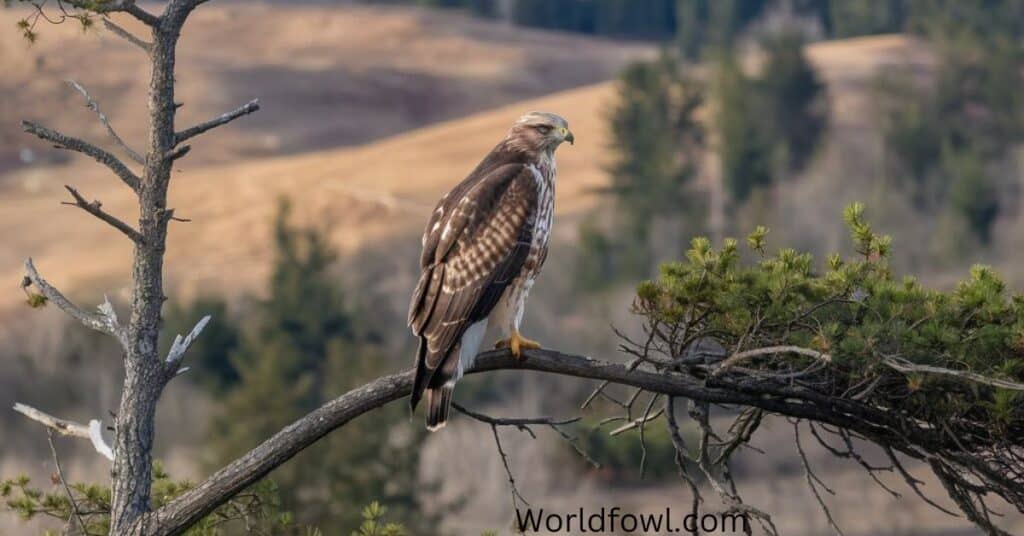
(146, 374)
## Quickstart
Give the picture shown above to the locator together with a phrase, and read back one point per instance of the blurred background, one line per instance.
(691, 117)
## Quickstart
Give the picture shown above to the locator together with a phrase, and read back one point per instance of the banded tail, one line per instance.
(439, 404)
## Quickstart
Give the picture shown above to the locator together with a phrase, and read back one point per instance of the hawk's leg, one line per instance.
(517, 343)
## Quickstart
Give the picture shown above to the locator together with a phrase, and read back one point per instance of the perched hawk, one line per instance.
(482, 249)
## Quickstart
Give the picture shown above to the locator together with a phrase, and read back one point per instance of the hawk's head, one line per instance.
(540, 131)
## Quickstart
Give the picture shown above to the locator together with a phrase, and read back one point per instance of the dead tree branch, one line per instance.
(74, 144)
(795, 402)
(181, 345)
(248, 108)
(105, 320)
(96, 209)
(75, 514)
(92, 432)
(117, 30)
(92, 105)
(116, 6)
(902, 365)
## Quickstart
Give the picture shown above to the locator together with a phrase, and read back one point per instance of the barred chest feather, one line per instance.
(544, 173)
(509, 312)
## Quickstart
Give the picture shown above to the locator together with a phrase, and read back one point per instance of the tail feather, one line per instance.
(422, 375)
(439, 404)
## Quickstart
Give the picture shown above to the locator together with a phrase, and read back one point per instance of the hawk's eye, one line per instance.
(544, 129)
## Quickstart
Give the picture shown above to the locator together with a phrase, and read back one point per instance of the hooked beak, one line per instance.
(570, 138)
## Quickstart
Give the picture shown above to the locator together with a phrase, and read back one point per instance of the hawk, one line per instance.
(483, 247)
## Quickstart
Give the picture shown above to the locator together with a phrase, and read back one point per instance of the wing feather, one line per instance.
(474, 246)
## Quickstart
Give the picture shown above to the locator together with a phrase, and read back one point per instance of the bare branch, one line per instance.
(105, 321)
(60, 475)
(92, 432)
(520, 423)
(813, 481)
(74, 144)
(181, 345)
(178, 152)
(903, 365)
(524, 425)
(117, 6)
(126, 35)
(636, 422)
(62, 426)
(92, 105)
(516, 496)
(95, 208)
(739, 357)
(248, 108)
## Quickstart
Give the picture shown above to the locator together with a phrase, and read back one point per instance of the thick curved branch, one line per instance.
(178, 515)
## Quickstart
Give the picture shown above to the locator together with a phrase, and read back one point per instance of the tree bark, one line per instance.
(145, 374)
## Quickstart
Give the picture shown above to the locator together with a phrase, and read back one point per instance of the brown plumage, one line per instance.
(482, 248)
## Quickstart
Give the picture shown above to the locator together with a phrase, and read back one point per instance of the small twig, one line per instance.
(739, 357)
(516, 496)
(181, 345)
(812, 478)
(523, 425)
(95, 208)
(641, 424)
(681, 458)
(127, 36)
(636, 422)
(248, 108)
(601, 387)
(75, 514)
(63, 141)
(903, 365)
(92, 105)
(177, 152)
(514, 421)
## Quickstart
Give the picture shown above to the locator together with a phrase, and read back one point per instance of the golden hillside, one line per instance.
(366, 195)
(327, 75)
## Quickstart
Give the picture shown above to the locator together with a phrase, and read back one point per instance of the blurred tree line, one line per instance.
(946, 140)
(763, 127)
(698, 25)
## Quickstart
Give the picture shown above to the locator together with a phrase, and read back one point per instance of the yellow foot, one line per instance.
(517, 343)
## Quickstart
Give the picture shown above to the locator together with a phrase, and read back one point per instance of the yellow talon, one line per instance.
(517, 343)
